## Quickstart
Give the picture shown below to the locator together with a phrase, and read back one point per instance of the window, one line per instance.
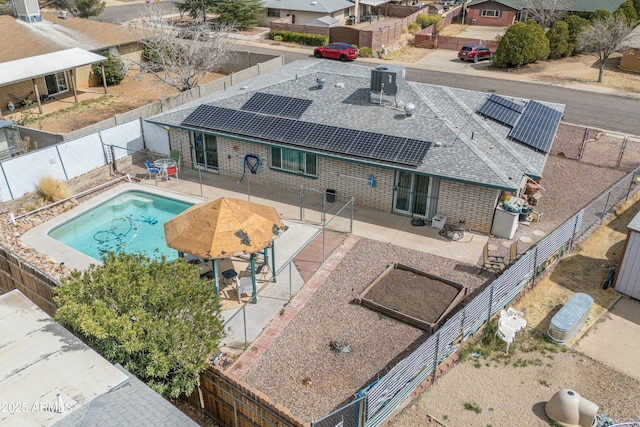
(56, 83)
(294, 161)
(273, 12)
(490, 13)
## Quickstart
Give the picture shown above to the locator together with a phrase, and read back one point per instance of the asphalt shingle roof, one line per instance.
(54, 34)
(320, 6)
(464, 145)
(573, 6)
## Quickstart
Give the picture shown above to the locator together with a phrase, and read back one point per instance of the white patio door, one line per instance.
(415, 195)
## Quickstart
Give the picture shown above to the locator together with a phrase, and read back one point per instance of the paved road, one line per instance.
(600, 110)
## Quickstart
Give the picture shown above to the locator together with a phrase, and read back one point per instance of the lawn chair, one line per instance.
(175, 155)
(152, 171)
(491, 262)
(244, 285)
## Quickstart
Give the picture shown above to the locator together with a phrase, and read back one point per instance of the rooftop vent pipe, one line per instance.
(321, 81)
(409, 108)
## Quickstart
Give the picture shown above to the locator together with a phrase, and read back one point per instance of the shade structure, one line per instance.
(223, 228)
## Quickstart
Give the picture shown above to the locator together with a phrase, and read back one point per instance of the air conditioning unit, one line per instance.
(387, 79)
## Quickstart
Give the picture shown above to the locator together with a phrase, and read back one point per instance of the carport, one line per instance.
(37, 67)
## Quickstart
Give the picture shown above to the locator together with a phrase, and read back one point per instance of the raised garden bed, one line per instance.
(412, 296)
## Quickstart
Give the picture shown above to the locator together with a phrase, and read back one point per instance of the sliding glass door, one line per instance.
(415, 195)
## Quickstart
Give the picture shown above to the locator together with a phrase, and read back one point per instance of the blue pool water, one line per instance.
(132, 222)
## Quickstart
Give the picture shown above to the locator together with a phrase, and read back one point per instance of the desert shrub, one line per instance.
(365, 52)
(277, 38)
(523, 43)
(414, 28)
(558, 36)
(51, 190)
(114, 69)
(426, 20)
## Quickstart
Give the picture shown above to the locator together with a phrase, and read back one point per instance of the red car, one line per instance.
(475, 52)
(342, 51)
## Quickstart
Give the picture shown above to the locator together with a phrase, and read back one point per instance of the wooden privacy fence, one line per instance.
(236, 405)
(17, 273)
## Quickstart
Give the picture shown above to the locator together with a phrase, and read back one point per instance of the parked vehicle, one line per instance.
(475, 52)
(198, 32)
(342, 51)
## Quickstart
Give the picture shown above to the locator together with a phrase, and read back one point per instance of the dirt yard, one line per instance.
(495, 389)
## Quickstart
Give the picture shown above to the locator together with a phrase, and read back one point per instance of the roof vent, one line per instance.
(437, 144)
(340, 85)
(409, 108)
(314, 3)
(321, 81)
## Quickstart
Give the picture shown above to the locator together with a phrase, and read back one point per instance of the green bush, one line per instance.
(114, 69)
(426, 20)
(300, 38)
(365, 52)
(523, 43)
(414, 28)
(558, 36)
(627, 12)
(277, 38)
(576, 24)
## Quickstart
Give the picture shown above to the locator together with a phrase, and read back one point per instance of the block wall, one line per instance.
(472, 203)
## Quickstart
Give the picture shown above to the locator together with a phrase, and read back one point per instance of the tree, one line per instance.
(240, 14)
(79, 8)
(558, 36)
(180, 62)
(196, 9)
(114, 69)
(627, 11)
(576, 25)
(545, 12)
(522, 43)
(156, 318)
(603, 37)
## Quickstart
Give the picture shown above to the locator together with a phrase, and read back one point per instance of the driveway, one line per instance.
(614, 339)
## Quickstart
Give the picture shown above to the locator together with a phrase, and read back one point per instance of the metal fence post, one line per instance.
(604, 209)
(301, 203)
(435, 357)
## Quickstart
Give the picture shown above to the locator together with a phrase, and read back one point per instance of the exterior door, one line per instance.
(205, 151)
(415, 195)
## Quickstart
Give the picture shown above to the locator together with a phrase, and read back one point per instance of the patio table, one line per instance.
(164, 164)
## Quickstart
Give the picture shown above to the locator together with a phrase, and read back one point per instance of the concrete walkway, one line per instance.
(614, 339)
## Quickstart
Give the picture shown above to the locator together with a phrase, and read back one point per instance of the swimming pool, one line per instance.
(129, 218)
(131, 222)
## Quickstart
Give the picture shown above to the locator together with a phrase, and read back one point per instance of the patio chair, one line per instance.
(175, 155)
(152, 171)
(244, 285)
(172, 171)
(491, 262)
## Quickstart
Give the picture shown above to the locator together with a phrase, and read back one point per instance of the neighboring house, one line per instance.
(494, 13)
(502, 13)
(630, 60)
(50, 378)
(309, 12)
(409, 148)
(300, 12)
(55, 74)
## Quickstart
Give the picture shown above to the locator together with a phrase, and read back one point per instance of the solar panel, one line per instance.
(363, 144)
(501, 110)
(342, 140)
(413, 152)
(277, 105)
(537, 126)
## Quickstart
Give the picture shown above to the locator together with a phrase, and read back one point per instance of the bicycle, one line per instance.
(453, 232)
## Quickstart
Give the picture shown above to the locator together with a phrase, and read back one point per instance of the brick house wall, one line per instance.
(631, 60)
(458, 201)
(507, 15)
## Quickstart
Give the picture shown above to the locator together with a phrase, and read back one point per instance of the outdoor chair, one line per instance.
(152, 171)
(244, 285)
(172, 171)
(491, 262)
(175, 155)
